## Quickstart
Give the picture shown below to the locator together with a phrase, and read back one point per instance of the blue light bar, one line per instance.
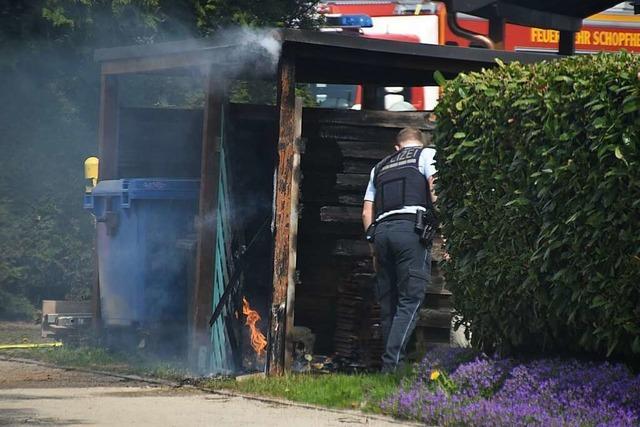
(350, 21)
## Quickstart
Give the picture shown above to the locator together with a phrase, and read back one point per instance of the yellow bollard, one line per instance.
(91, 173)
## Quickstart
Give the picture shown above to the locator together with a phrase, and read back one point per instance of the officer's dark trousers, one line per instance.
(404, 269)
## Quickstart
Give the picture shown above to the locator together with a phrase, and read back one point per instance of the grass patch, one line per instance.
(361, 391)
(81, 357)
(101, 359)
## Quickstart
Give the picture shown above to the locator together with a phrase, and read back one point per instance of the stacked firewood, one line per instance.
(335, 298)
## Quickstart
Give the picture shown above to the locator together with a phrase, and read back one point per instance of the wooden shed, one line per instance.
(307, 167)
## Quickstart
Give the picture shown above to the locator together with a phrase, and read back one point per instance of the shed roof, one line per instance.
(319, 57)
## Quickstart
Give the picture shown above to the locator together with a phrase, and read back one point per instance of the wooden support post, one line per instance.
(108, 129)
(207, 222)
(370, 99)
(496, 32)
(96, 310)
(567, 44)
(293, 233)
(285, 219)
(107, 169)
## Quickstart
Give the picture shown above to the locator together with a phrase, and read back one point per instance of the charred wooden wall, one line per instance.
(167, 143)
(334, 291)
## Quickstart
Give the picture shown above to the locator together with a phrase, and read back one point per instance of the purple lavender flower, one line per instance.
(479, 377)
(504, 392)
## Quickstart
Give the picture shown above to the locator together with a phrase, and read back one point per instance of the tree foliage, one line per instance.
(540, 193)
(49, 86)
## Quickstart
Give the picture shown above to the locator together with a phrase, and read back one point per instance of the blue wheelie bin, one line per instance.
(142, 271)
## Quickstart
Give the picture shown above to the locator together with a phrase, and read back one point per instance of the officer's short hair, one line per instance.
(408, 134)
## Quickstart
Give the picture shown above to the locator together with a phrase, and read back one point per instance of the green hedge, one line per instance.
(539, 185)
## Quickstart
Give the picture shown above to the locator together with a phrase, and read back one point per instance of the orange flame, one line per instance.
(258, 341)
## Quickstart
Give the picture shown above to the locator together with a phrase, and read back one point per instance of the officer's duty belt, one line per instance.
(399, 216)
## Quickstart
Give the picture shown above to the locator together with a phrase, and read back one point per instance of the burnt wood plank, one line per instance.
(340, 214)
(427, 337)
(364, 274)
(352, 248)
(358, 166)
(325, 163)
(356, 248)
(438, 301)
(352, 182)
(314, 228)
(435, 289)
(435, 318)
(363, 150)
(285, 217)
(337, 132)
(375, 134)
(107, 168)
(382, 119)
(351, 199)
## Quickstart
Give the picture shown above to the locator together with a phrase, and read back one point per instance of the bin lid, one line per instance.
(147, 188)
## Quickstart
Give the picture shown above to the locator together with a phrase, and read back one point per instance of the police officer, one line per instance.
(399, 191)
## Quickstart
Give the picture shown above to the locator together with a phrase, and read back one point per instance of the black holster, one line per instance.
(426, 225)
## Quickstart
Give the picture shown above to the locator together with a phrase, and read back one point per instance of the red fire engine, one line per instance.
(425, 22)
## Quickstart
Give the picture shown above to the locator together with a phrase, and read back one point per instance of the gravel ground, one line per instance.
(21, 375)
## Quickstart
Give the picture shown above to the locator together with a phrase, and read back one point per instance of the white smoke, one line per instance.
(255, 51)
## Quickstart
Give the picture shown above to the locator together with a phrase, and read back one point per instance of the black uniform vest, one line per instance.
(399, 182)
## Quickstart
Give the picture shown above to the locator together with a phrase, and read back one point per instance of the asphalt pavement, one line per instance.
(43, 395)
